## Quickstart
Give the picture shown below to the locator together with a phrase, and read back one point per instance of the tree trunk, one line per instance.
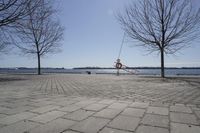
(39, 69)
(162, 63)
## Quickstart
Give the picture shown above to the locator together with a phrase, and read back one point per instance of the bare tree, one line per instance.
(10, 12)
(4, 41)
(39, 34)
(165, 26)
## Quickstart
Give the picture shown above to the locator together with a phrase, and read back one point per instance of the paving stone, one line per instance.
(15, 118)
(195, 109)
(70, 108)
(96, 99)
(107, 113)
(139, 105)
(197, 113)
(179, 104)
(90, 125)
(84, 103)
(150, 129)
(2, 102)
(155, 120)
(45, 109)
(1, 125)
(41, 99)
(46, 117)
(18, 110)
(125, 101)
(106, 101)
(95, 107)
(22, 102)
(40, 104)
(2, 115)
(65, 103)
(56, 126)
(119, 106)
(159, 104)
(78, 115)
(158, 110)
(191, 105)
(111, 130)
(3, 109)
(180, 108)
(70, 132)
(133, 112)
(19, 127)
(124, 123)
(63, 100)
(44, 103)
(11, 105)
(184, 128)
(77, 98)
(184, 118)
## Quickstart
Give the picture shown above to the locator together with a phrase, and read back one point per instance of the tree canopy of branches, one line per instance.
(39, 34)
(10, 12)
(165, 26)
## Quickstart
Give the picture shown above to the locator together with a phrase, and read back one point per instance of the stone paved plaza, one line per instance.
(79, 103)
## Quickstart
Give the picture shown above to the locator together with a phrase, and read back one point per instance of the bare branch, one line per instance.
(165, 26)
(10, 12)
(39, 34)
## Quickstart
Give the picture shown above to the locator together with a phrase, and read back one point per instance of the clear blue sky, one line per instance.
(93, 37)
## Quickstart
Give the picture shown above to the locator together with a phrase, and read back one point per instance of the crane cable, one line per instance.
(119, 65)
(120, 50)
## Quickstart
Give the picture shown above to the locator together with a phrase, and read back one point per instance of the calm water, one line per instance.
(108, 71)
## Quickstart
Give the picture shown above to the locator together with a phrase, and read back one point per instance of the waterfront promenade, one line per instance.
(79, 103)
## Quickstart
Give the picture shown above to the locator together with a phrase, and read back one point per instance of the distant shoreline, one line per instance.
(86, 70)
(62, 68)
(137, 68)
